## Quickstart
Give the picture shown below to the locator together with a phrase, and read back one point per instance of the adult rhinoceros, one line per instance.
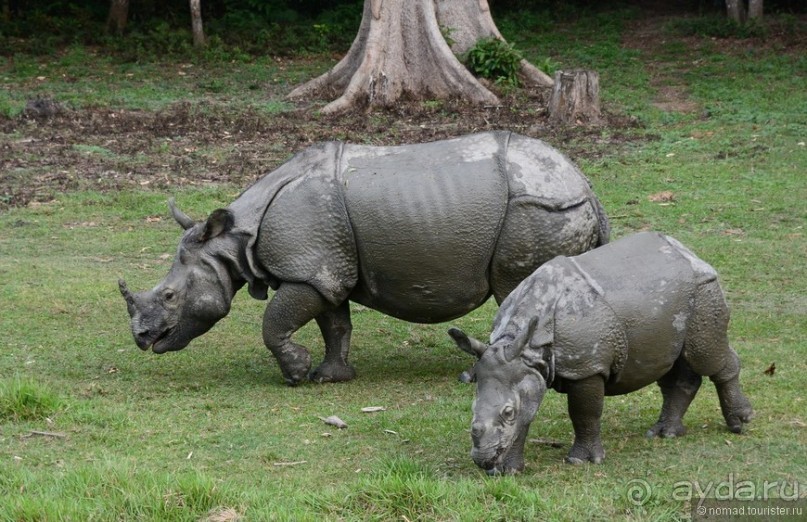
(424, 233)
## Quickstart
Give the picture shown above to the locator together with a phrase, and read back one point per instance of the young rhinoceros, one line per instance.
(425, 233)
(639, 310)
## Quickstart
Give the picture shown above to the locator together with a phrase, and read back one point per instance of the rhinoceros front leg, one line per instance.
(336, 327)
(585, 409)
(292, 306)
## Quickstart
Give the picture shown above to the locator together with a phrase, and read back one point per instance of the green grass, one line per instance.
(151, 86)
(212, 432)
(26, 400)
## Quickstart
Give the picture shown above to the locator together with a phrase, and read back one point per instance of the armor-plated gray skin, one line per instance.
(424, 233)
(642, 309)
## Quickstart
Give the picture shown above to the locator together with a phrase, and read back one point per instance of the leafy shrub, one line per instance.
(495, 60)
(24, 399)
(549, 66)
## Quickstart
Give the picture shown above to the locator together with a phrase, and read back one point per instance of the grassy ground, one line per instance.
(93, 429)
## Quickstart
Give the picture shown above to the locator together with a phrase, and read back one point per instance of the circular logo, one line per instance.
(638, 492)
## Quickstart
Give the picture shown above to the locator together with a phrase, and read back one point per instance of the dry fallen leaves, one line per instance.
(666, 196)
(547, 442)
(223, 515)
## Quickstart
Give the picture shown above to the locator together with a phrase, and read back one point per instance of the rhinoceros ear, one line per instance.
(543, 360)
(537, 352)
(467, 344)
(219, 222)
(544, 332)
(521, 342)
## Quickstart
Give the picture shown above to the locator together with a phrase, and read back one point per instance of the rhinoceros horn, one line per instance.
(184, 221)
(124, 290)
(132, 303)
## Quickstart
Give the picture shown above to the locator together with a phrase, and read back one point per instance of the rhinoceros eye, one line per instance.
(508, 413)
(169, 295)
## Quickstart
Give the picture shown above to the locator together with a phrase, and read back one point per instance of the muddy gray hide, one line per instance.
(424, 233)
(642, 309)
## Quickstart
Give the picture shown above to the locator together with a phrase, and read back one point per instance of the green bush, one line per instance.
(495, 60)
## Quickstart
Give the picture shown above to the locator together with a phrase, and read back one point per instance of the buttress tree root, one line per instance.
(399, 53)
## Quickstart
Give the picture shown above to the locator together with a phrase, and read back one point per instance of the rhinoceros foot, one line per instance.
(294, 361)
(739, 416)
(734, 404)
(582, 453)
(667, 429)
(332, 371)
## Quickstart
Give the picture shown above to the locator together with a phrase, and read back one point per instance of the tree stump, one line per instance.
(575, 97)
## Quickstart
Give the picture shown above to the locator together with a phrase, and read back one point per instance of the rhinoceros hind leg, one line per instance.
(336, 328)
(292, 306)
(585, 399)
(678, 387)
(733, 403)
(708, 352)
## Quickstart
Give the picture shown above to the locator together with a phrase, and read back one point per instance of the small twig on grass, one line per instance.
(45, 434)
(284, 464)
(547, 442)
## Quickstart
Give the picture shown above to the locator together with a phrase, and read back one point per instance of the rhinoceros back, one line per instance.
(426, 219)
(649, 282)
(643, 270)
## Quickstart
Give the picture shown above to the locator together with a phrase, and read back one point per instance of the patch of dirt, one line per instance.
(650, 36)
(42, 156)
(674, 98)
(647, 36)
(52, 149)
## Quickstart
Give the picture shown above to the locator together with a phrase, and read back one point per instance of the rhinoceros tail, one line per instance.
(604, 224)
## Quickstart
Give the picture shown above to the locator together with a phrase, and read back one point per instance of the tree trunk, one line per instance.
(575, 97)
(118, 16)
(755, 9)
(468, 21)
(736, 10)
(196, 23)
(398, 53)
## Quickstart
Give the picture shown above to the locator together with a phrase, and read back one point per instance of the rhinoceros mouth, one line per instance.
(158, 346)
